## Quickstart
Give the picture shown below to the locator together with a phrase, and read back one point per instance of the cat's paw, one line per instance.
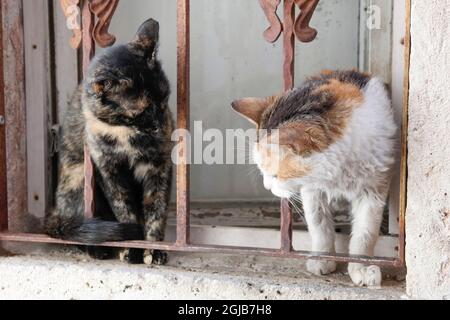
(361, 275)
(155, 257)
(320, 267)
(131, 256)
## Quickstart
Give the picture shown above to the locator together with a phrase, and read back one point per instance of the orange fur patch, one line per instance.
(291, 167)
(304, 138)
(326, 72)
(281, 162)
(98, 88)
(347, 97)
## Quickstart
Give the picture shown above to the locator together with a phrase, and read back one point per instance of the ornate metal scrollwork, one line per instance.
(103, 10)
(270, 9)
(72, 13)
(302, 29)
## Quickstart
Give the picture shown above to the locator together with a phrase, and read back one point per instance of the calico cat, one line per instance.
(121, 112)
(333, 137)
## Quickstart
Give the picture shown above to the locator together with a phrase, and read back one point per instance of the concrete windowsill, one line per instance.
(69, 274)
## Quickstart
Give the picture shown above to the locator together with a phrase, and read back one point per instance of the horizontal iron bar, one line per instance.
(37, 238)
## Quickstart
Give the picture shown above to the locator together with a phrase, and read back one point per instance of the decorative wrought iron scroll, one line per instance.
(102, 9)
(302, 29)
(72, 13)
(270, 7)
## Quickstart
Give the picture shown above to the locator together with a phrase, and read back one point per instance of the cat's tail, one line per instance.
(91, 231)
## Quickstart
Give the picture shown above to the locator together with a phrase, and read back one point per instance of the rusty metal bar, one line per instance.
(288, 75)
(12, 237)
(404, 158)
(289, 44)
(286, 226)
(88, 21)
(183, 92)
(3, 171)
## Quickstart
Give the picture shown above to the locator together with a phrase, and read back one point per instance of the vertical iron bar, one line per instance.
(286, 226)
(88, 53)
(183, 97)
(289, 44)
(3, 172)
(404, 158)
(288, 74)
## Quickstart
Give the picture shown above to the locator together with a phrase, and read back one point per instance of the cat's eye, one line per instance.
(127, 83)
(107, 85)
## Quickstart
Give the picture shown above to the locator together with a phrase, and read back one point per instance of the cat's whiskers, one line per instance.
(294, 205)
(242, 152)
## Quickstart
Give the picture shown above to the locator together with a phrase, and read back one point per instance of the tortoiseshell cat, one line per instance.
(336, 139)
(121, 111)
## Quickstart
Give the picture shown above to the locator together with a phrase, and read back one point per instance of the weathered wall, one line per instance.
(428, 211)
(14, 74)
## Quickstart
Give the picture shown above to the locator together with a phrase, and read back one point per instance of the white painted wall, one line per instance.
(428, 202)
(230, 59)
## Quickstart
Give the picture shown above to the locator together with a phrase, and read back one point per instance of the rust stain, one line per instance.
(445, 216)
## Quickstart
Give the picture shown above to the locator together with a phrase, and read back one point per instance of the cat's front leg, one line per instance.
(157, 184)
(321, 229)
(367, 217)
(120, 192)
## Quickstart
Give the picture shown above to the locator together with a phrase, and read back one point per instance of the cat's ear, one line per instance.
(147, 37)
(252, 108)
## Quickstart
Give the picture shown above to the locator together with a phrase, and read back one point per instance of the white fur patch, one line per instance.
(96, 127)
(142, 170)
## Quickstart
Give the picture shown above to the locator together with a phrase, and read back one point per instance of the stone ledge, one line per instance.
(68, 274)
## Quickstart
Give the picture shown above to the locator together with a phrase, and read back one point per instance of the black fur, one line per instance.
(93, 231)
(121, 112)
